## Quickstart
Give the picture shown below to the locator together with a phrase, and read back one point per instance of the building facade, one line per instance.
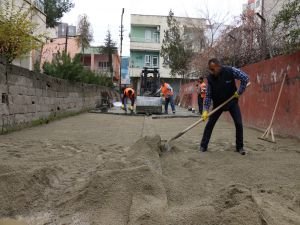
(92, 57)
(37, 17)
(55, 45)
(98, 62)
(146, 37)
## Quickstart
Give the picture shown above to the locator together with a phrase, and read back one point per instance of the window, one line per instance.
(151, 61)
(103, 65)
(154, 61)
(156, 37)
(147, 61)
(148, 35)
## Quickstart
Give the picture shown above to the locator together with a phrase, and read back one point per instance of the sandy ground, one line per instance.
(98, 169)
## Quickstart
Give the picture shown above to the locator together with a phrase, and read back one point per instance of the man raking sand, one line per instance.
(222, 90)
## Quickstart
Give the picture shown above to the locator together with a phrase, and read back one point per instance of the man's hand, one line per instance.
(123, 107)
(236, 94)
(204, 115)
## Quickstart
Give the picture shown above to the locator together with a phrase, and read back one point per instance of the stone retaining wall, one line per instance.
(27, 96)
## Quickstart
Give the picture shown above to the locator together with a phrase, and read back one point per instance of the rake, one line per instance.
(167, 146)
(269, 130)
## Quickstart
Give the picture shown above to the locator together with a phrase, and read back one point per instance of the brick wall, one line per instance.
(32, 96)
(258, 102)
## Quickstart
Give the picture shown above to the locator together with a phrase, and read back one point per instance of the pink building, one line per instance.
(93, 58)
(55, 45)
(98, 62)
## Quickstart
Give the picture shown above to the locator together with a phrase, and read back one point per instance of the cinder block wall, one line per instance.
(27, 96)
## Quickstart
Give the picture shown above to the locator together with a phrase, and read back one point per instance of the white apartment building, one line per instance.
(38, 17)
(146, 37)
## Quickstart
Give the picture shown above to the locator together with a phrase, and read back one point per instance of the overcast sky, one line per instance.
(105, 15)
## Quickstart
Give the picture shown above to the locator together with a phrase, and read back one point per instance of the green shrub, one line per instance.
(62, 66)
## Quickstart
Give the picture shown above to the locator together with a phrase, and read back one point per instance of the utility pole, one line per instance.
(263, 30)
(121, 41)
(67, 36)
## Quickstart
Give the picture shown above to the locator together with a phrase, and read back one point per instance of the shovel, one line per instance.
(167, 146)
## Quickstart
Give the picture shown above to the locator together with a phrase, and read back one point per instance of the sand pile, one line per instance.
(21, 190)
(140, 185)
(128, 192)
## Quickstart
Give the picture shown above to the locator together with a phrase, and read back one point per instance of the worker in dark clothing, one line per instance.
(128, 94)
(221, 86)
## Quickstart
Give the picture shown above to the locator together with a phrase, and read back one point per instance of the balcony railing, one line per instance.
(144, 40)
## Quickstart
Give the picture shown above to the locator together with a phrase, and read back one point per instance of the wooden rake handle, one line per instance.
(199, 121)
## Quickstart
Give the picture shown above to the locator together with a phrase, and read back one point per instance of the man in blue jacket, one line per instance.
(221, 86)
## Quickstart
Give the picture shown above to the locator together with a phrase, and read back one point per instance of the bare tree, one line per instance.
(215, 24)
(207, 36)
(237, 44)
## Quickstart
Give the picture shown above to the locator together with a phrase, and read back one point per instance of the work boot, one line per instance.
(173, 112)
(202, 149)
(242, 151)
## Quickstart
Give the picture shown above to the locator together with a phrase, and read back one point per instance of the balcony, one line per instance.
(145, 44)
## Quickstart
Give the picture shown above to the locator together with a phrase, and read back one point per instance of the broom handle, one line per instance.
(209, 114)
(276, 105)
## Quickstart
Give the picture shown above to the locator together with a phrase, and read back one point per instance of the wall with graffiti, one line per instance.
(258, 102)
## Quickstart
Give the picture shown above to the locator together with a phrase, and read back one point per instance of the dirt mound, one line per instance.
(235, 205)
(21, 190)
(130, 192)
(140, 185)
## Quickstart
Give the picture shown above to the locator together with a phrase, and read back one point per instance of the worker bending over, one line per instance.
(128, 94)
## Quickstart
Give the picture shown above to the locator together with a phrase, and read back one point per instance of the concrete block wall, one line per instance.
(27, 96)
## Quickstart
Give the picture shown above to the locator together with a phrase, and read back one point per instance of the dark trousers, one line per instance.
(200, 104)
(171, 101)
(235, 113)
